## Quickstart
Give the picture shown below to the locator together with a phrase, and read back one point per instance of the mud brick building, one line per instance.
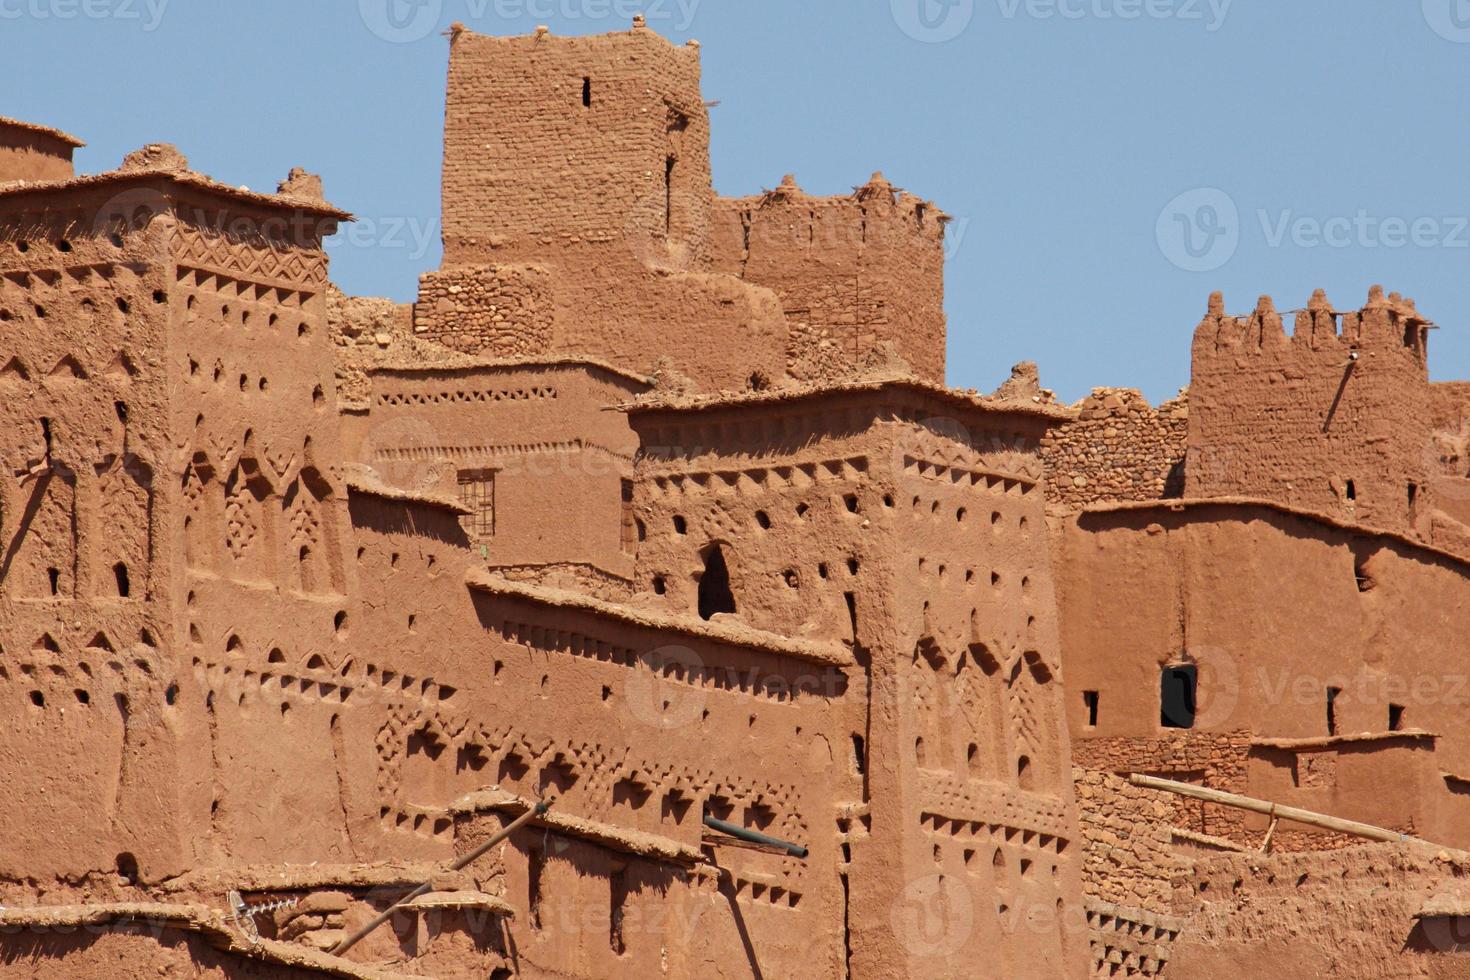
(654, 507)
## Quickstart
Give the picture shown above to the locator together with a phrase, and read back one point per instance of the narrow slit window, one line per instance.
(1177, 690)
(1332, 693)
(587, 92)
(1395, 717)
(1089, 700)
(120, 575)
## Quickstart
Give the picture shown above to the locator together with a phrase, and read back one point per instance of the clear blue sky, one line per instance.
(1325, 142)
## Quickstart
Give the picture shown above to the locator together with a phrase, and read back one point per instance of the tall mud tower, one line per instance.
(580, 217)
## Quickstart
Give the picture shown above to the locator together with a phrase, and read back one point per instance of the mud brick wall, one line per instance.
(1333, 420)
(1119, 448)
(498, 311)
(856, 273)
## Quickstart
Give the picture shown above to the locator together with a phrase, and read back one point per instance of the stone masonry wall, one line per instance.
(1119, 448)
(497, 311)
(1127, 858)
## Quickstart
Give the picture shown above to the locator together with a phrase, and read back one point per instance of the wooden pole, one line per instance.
(1273, 810)
(459, 864)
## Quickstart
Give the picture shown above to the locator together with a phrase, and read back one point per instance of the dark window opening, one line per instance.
(859, 755)
(1395, 717)
(127, 867)
(120, 573)
(852, 619)
(1177, 688)
(714, 585)
(54, 576)
(122, 411)
(1363, 576)
(586, 93)
(1352, 490)
(1332, 693)
(1413, 495)
(669, 196)
(617, 900)
(1023, 772)
(659, 585)
(1089, 698)
(535, 861)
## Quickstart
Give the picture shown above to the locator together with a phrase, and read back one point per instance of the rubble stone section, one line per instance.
(1119, 448)
(495, 311)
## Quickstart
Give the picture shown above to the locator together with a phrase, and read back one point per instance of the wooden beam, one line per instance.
(1308, 817)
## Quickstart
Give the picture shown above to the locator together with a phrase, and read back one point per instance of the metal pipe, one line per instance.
(458, 865)
(755, 837)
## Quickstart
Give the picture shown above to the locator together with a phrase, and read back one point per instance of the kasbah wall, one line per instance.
(654, 508)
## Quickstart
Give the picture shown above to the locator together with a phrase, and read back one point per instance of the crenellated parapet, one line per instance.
(1333, 417)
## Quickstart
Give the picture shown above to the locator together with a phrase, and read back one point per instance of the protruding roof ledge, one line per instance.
(360, 479)
(303, 877)
(7, 122)
(184, 178)
(1182, 504)
(1329, 741)
(207, 922)
(735, 634)
(634, 842)
(411, 367)
(860, 384)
